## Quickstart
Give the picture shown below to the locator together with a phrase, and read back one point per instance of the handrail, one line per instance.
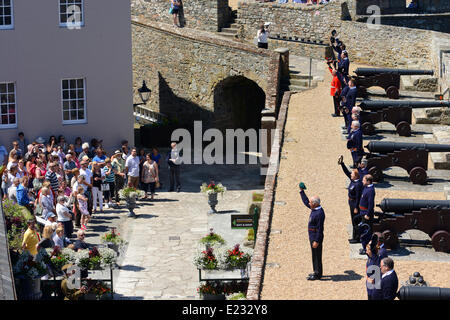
(148, 114)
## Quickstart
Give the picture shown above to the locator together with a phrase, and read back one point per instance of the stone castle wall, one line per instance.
(209, 15)
(388, 46)
(182, 67)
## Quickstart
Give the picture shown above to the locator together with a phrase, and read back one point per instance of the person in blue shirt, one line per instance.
(373, 259)
(354, 195)
(315, 232)
(389, 280)
(366, 207)
(100, 157)
(22, 194)
(355, 143)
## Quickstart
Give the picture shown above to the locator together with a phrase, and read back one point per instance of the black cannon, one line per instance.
(423, 293)
(429, 216)
(388, 79)
(399, 113)
(413, 157)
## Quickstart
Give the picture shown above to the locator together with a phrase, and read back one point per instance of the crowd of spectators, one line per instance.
(63, 184)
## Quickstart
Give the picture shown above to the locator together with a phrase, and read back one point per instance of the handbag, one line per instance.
(38, 210)
(171, 10)
(105, 187)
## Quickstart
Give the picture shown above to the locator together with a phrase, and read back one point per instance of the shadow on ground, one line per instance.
(349, 275)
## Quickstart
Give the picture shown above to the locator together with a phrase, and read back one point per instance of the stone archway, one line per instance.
(238, 102)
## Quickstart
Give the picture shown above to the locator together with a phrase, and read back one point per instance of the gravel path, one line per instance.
(311, 156)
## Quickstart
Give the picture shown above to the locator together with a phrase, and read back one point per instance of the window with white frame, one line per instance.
(8, 110)
(73, 101)
(6, 14)
(71, 13)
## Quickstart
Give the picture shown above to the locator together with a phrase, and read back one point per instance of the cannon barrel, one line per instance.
(385, 147)
(423, 293)
(373, 71)
(410, 205)
(383, 104)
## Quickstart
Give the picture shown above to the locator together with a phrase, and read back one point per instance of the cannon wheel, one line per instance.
(418, 175)
(376, 173)
(441, 241)
(390, 239)
(368, 128)
(392, 92)
(403, 129)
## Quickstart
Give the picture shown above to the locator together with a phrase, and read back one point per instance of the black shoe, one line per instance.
(334, 115)
(171, 190)
(313, 277)
(178, 189)
(362, 251)
(353, 240)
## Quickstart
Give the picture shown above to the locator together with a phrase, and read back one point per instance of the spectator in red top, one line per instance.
(336, 89)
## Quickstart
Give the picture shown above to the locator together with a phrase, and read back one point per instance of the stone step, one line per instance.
(298, 76)
(441, 160)
(300, 82)
(228, 35)
(294, 88)
(230, 31)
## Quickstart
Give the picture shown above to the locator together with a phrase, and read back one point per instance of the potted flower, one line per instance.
(211, 290)
(130, 195)
(57, 259)
(212, 239)
(206, 260)
(212, 190)
(28, 272)
(113, 240)
(95, 258)
(96, 290)
(236, 258)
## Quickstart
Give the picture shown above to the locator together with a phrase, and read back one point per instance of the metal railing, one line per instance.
(147, 115)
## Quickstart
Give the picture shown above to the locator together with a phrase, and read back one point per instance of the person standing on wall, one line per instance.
(262, 36)
(174, 10)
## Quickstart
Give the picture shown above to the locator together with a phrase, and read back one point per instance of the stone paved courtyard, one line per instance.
(163, 239)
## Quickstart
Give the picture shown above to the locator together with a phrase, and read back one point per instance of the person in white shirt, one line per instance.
(12, 191)
(174, 162)
(64, 216)
(132, 169)
(262, 36)
(87, 173)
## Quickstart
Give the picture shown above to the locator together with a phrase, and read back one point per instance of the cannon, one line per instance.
(423, 293)
(429, 216)
(413, 157)
(399, 113)
(388, 79)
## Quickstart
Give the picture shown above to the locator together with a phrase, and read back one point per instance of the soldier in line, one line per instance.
(315, 231)
(354, 143)
(354, 195)
(366, 207)
(336, 89)
(348, 96)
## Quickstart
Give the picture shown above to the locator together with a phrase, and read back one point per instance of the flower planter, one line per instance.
(212, 201)
(208, 296)
(29, 289)
(131, 204)
(114, 246)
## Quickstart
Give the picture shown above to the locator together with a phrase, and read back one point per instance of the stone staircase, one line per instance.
(231, 31)
(297, 82)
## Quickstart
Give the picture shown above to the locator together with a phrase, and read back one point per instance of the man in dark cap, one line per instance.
(315, 231)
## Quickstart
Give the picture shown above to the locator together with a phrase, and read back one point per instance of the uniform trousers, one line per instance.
(353, 206)
(174, 173)
(336, 101)
(317, 258)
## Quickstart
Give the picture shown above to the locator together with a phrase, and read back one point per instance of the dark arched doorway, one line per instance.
(238, 102)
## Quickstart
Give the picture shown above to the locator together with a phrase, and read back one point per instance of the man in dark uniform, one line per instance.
(362, 168)
(354, 143)
(344, 64)
(373, 259)
(382, 252)
(354, 195)
(315, 231)
(348, 97)
(366, 206)
(389, 280)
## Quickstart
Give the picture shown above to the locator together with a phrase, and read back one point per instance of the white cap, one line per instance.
(85, 145)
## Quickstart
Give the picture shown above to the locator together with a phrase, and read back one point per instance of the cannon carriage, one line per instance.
(429, 216)
(413, 157)
(388, 79)
(399, 113)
